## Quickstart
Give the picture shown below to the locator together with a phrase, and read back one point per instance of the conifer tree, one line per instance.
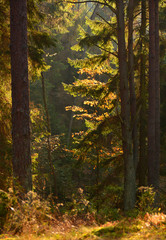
(154, 97)
(20, 96)
(37, 40)
(142, 167)
(129, 182)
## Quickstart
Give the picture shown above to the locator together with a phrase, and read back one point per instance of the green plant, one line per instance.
(80, 207)
(108, 214)
(146, 197)
(110, 203)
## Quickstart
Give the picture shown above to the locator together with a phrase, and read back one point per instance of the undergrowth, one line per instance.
(36, 218)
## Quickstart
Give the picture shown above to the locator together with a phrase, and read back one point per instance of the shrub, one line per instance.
(146, 197)
(80, 207)
(109, 203)
(30, 213)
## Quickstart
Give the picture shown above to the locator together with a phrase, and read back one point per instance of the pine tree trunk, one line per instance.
(134, 119)
(157, 86)
(129, 170)
(143, 123)
(20, 95)
(154, 99)
(151, 113)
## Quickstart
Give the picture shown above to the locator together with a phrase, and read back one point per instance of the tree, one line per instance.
(154, 97)
(133, 109)
(107, 39)
(52, 168)
(129, 181)
(20, 95)
(37, 40)
(143, 99)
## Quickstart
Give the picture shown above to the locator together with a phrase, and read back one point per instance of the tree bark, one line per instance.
(133, 110)
(129, 170)
(154, 97)
(157, 87)
(143, 112)
(20, 95)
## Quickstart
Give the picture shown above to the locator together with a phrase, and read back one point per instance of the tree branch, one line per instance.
(92, 1)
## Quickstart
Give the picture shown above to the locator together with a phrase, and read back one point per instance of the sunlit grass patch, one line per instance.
(151, 226)
(112, 230)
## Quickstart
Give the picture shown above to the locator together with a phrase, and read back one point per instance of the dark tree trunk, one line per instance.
(151, 113)
(134, 118)
(143, 112)
(129, 170)
(20, 95)
(154, 97)
(157, 86)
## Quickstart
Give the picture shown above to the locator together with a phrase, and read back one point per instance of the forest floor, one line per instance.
(149, 226)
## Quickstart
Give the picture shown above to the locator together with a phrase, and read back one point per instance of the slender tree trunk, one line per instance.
(134, 119)
(97, 179)
(154, 97)
(151, 113)
(20, 95)
(157, 86)
(129, 170)
(52, 168)
(143, 112)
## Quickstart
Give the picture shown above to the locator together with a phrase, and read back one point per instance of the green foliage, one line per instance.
(80, 207)
(37, 41)
(5, 98)
(5, 134)
(110, 201)
(146, 197)
(97, 85)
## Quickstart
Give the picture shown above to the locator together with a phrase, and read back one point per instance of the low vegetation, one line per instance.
(36, 218)
(149, 226)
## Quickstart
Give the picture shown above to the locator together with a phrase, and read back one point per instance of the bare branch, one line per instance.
(112, 53)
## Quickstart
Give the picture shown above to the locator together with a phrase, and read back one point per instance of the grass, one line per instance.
(149, 226)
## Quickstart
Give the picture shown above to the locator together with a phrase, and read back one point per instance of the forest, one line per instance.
(82, 119)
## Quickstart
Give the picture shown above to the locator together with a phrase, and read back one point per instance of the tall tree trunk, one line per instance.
(129, 170)
(52, 168)
(151, 113)
(143, 124)
(154, 97)
(20, 95)
(157, 86)
(134, 119)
